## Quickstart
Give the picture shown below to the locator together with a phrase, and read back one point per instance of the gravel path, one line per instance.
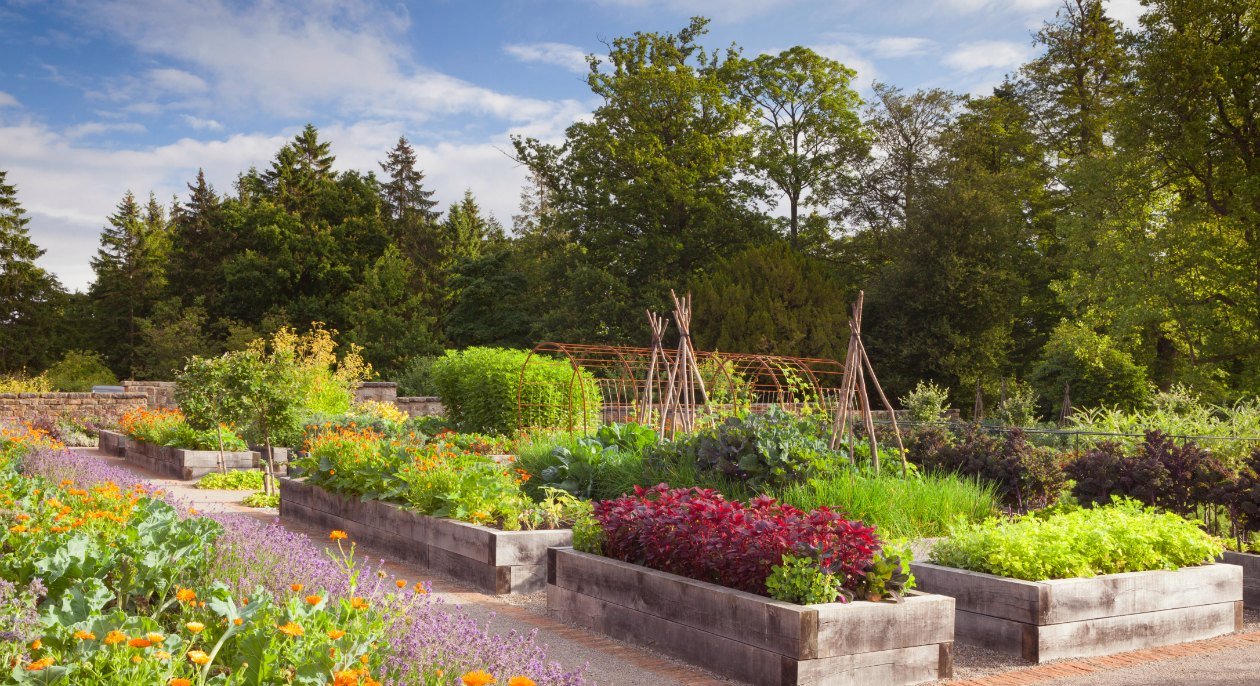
(613, 663)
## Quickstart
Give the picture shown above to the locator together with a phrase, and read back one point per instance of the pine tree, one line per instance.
(299, 167)
(129, 280)
(199, 243)
(466, 231)
(28, 294)
(409, 207)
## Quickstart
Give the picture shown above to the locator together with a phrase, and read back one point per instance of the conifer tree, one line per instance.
(129, 280)
(408, 206)
(28, 294)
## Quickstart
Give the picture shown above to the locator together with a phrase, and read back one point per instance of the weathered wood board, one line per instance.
(178, 463)
(1251, 575)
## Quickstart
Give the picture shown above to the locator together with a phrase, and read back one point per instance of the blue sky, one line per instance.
(101, 96)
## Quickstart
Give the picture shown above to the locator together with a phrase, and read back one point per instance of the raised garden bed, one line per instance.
(498, 562)
(1251, 575)
(1048, 620)
(179, 463)
(750, 637)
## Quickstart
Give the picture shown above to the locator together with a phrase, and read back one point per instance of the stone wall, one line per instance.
(420, 406)
(106, 408)
(160, 393)
(380, 391)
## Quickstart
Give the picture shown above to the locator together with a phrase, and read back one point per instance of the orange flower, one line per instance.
(291, 629)
(40, 664)
(154, 637)
(419, 588)
(179, 681)
(335, 634)
(238, 621)
(313, 600)
(136, 659)
(296, 588)
(521, 681)
(114, 637)
(358, 603)
(139, 643)
(195, 627)
(184, 595)
(84, 635)
(401, 583)
(477, 678)
(37, 644)
(348, 677)
(198, 657)
(337, 535)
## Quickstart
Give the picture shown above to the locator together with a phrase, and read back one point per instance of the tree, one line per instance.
(129, 280)
(79, 370)
(408, 206)
(388, 318)
(28, 294)
(169, 337)
(652, 187)
(200, 242)
(806, 129)
(1096, 370)
(771, 299)
(465, 231)
(489, 305)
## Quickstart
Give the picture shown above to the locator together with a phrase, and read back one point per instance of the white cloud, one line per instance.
(892, 47)
(1002, 5)
(1127, 12)
(987, 55)
(202, 124)
(7, 100)
(851, 58)
(563, 55)
(719, 10)
(95, 128)
(296, 60)
(177, 81)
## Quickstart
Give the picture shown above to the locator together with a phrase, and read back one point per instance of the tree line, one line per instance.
(1094, 222)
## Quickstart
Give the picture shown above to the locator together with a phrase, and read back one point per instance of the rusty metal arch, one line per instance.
(619, 373)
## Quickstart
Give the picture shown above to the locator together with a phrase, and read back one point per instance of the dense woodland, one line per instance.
(1095, 220)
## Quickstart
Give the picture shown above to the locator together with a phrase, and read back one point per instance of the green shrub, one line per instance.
(416, 378)
(1099, 373)
(583, 466)
(232, 481)
(767, 450)
(261, 499)
(926, 403)
(78, 371)
(21, 383)
(1074, 542)
(917, 507)
(479, 388)
(1018, 408)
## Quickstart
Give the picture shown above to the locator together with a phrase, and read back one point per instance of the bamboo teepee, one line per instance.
(684, 377)
(658, 325)
(857, 366)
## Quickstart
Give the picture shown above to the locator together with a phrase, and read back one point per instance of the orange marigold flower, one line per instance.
(179, 681)
(238, 621)
(419, 588)
(358, 603)
(348, 677)
(139, 643)
(184, 595)
(401, 583)
(136, 659)
(23, 518)
(335, 634)
(477, 678)
(296, 588)
(155, 637)
(37, 644)
(40, 664)
(84, 635)
(195, 627)
(313, 599)
(198, 657)
(521, 681)
(17, 529)
(114, 637)
(291, 629)
(337, 535)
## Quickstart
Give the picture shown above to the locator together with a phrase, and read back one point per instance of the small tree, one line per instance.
(926, 402)
(270, 400)
(206, 391)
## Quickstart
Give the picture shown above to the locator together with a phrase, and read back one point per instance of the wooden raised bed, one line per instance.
(1048, 620)
(179, 463)
(750, 637)
(1251, 575)
(498, 562)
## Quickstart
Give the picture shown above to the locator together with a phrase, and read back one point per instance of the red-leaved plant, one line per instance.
(696, 533)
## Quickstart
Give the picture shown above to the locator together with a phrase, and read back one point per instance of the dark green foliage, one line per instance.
(130, 279)
(1099, 373)
(79, 371)
(29, 296)
(416, 377)
(388, 318)
(480, 389)
(1027, 477)
(771, 299)
(489, 302)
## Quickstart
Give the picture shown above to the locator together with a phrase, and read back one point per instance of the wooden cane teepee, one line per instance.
(857, 366)
(684, 378)
(658, 325)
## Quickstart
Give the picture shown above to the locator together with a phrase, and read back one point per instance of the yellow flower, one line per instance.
(114, 637)
(136, 659)
(313, 600)
(477, 678)
(335, 634)
(337, 535)
(291, 629)
(161, 655)
(155, 637)
(184, 595)
(18, 529)
(195, 627)
(198, 657)
(363, 659)
(521, 681)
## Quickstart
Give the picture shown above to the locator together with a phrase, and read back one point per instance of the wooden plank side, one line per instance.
(863, 627)
(771, 625)
(996, 633)
(986, 594)
(1108, 635)
(1251, 575)
(529, 547)
(466, 540)
(1074, 600)
(912, 665)
(402, 549)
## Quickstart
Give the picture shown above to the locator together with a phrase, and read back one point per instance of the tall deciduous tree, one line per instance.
(806, 128)
(28, 294)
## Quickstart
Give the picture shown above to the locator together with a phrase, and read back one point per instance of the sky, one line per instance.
(98, 97)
